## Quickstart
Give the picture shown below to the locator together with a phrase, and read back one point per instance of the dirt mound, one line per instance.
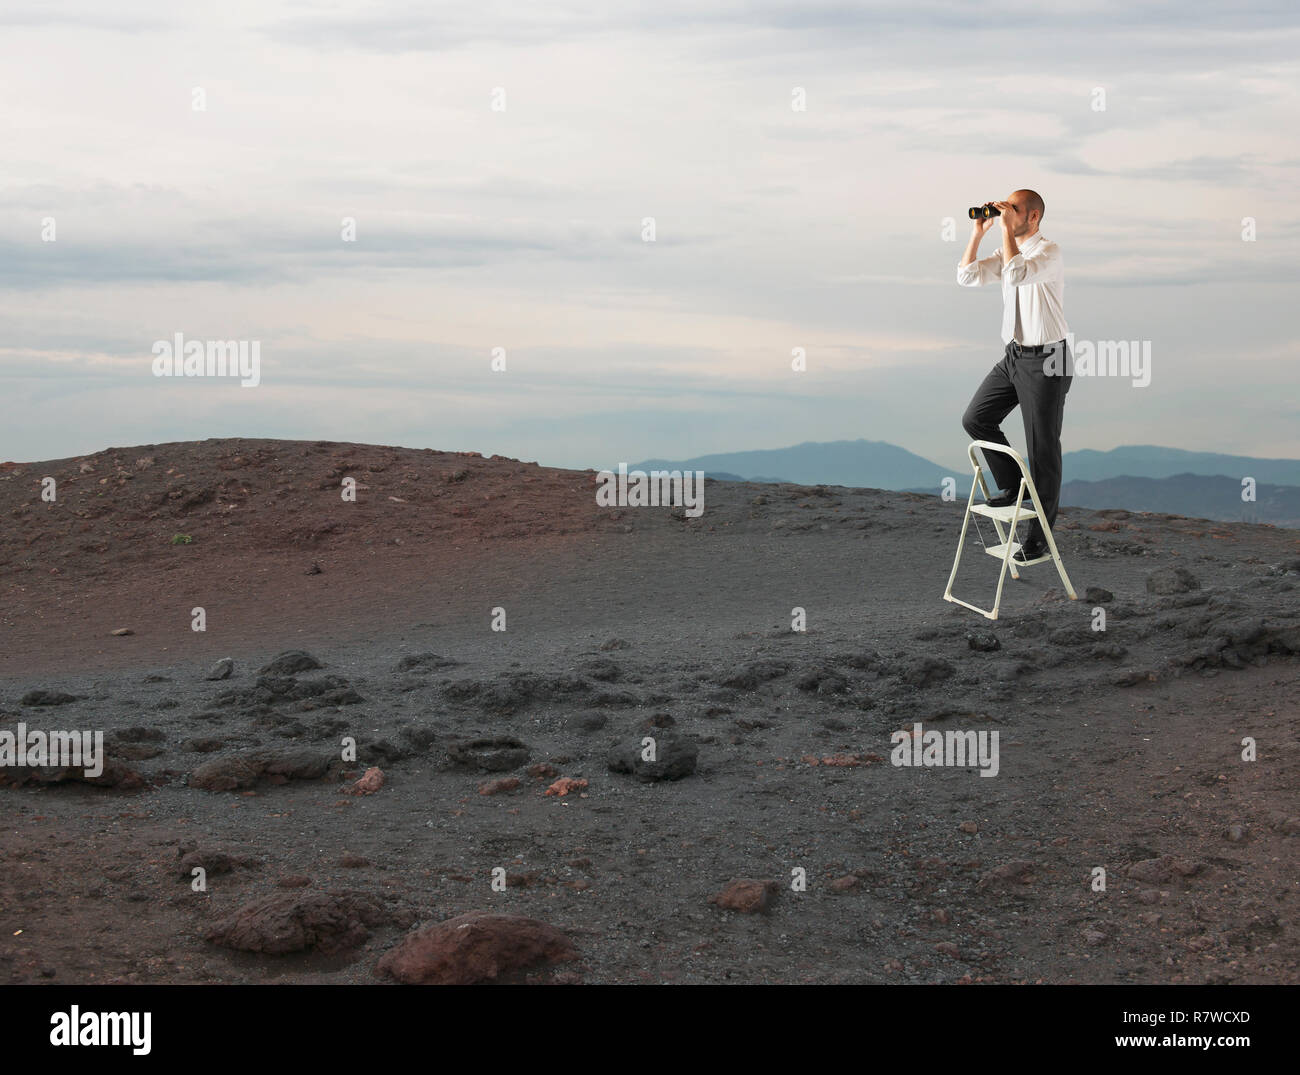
(277, 534)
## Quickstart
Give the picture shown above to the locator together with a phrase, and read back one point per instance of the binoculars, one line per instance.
(982, 211)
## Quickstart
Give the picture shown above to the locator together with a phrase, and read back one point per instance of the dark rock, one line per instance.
(222, 669)
(327, 690)
(424, 662)
(1098, 595)
(328, 922)
(821, 679)
(237, 772)
(299, 764)
(226, 774)
(382, 752)
(461, 690)
(201, 745)
(613, 698)
(1171, 580)
(984, 641)
(212, 861)
(675, 758)
(44, 697)
(750, 675)
(114, 775)
(602, 669)
(496, 755)
(289, 663)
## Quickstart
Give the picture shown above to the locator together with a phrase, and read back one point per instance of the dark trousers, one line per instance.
(1020, 380)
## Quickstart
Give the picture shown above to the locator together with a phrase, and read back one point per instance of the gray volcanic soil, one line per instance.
(1119, 750)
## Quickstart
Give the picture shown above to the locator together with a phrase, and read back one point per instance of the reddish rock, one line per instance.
(476, 947)
(296, 921)
(745, 895)
(844, 884)
(566, 785)
(1006, 874)
(497, 787)
(850, 761)
(543, 770)
(371, 781)
(947, 948)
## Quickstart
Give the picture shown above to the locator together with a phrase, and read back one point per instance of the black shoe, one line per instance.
(1005, 500)
(1030, 550)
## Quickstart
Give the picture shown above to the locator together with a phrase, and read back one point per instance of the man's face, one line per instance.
(1021, 217)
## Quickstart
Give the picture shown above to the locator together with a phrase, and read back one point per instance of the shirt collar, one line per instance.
(1031, 242)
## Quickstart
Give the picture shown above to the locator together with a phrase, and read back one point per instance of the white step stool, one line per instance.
(1012, 514)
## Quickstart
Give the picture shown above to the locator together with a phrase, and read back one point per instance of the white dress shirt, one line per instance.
(1033, 290)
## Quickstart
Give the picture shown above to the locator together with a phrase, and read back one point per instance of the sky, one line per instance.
(807, 168)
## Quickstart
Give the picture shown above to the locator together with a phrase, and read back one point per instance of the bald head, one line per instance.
(1028, 201)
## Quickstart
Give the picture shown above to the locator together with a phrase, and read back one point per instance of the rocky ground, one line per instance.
(498, 819)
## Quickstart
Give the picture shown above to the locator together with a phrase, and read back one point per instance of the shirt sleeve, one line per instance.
(979, 273)
(1040, 266)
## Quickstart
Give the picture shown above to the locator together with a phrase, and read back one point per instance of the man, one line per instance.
(1034, 371)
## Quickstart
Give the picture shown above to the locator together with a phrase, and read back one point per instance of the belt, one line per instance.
(1036, 349)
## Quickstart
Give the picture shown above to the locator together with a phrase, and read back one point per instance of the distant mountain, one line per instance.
(1203, 485)
(1150, 461)
(1196, 496)
(862, 464)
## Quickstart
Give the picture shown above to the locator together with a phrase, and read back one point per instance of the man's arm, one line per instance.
(1041, 265)
(1019, 269)
(973, 273)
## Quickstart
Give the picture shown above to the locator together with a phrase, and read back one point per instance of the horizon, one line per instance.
(627, 462)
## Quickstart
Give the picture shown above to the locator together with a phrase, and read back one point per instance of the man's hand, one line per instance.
(982, 224)
(1010, 217)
